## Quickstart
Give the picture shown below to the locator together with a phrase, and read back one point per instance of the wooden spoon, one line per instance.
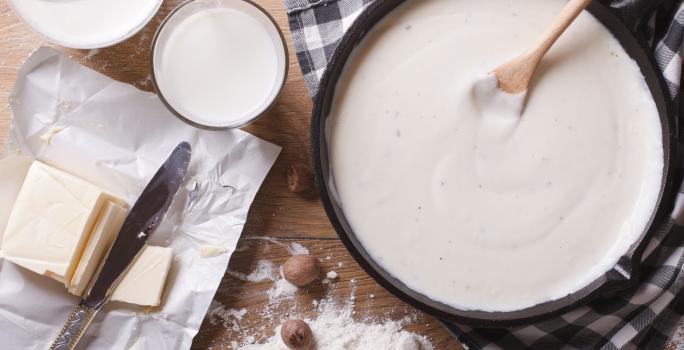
(514, 76)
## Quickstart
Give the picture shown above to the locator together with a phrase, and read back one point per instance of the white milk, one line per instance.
(86, 23)
(480, 210)
(220, 66)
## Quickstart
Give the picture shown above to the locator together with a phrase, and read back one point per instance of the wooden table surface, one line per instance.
(276, 213)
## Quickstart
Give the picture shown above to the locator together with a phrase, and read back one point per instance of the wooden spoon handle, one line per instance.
(515, 75)
(569, 13)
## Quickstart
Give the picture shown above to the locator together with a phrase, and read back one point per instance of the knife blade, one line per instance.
(143, 219)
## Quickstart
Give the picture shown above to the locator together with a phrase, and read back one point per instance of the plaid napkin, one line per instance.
(644, 317)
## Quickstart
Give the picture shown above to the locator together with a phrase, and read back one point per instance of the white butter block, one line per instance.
(106, 230)
(13, 169)
(51, 221)
(144, 282)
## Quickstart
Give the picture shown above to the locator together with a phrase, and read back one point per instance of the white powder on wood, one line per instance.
(91, 54)
(265, 270)
(297, 249)
(142, 83)
(281, 288)
(334, 326)
(218, 313)
(293, 248)
(250, 340)
(335, 329)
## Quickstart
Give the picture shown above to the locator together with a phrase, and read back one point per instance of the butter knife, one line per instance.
(143, 219)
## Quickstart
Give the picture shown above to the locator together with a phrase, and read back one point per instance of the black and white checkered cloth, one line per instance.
(644, 317)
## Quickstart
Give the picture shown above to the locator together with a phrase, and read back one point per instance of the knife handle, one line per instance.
(74, 328)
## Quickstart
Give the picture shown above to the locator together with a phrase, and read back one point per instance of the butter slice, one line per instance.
(51, 221)
(13, 169)
(144, 282)
(106, 230)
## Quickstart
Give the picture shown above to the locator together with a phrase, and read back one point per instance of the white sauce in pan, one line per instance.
(476, 209)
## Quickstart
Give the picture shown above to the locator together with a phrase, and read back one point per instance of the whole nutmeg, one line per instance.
(300, 178)
(297, 335)
(301, 270)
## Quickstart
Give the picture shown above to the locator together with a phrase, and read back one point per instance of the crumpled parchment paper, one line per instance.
(117, 136)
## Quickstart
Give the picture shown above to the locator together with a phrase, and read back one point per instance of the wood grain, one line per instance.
(275, 213)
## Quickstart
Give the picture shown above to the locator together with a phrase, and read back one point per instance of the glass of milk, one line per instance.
(219, 64)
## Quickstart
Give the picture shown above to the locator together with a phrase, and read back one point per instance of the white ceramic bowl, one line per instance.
(86, 24)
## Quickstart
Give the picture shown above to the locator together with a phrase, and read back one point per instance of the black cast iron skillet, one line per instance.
(614, 280)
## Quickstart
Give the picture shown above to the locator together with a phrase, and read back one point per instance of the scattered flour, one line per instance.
(329, 277)
(218, 313)
(281, 288)
(293, 248)
(297, 249)
(91, 54)
(250, 340)
(265, 270)
(143, 83)
(335, 324)
(335, 329)
(352, 293)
